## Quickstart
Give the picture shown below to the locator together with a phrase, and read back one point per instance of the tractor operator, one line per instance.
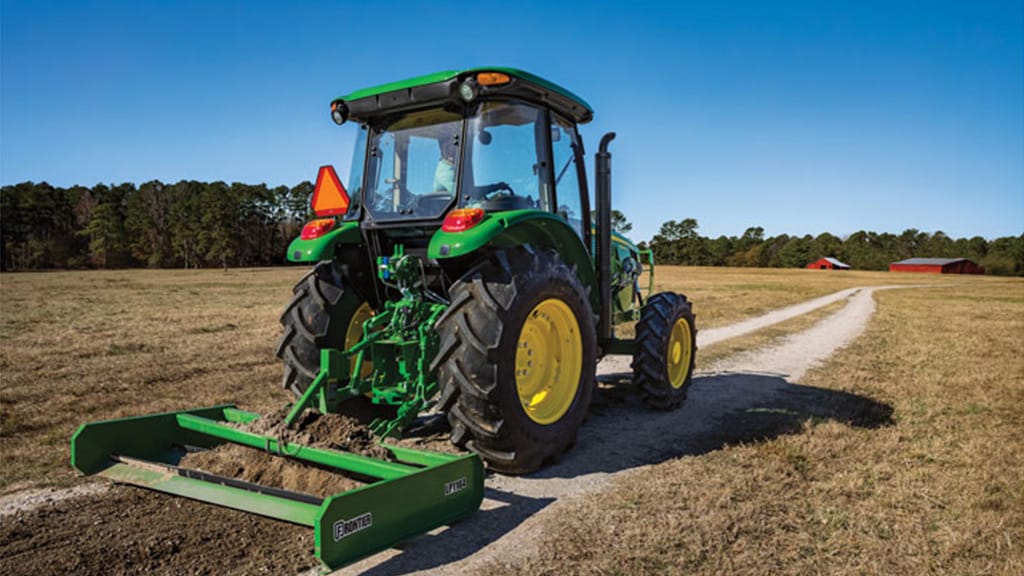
(444, 175)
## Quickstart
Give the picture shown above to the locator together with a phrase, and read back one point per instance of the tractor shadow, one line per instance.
(622, 433)
(501, 513)
(721, 410)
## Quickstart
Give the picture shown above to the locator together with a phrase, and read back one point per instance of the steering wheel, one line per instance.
(430, 202)
(485, 192)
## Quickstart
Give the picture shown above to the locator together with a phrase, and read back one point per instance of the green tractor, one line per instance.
(463, 275)
(466, 275)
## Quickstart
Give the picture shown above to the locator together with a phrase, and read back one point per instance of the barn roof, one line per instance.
(835, 262)
(930, 261)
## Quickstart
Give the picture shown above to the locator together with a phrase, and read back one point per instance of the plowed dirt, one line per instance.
(337, 431)
(320, 430)
(133, 531)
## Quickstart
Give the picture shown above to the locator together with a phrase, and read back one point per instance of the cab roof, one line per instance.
(440, 86)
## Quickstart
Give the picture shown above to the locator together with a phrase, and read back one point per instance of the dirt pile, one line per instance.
(274, 471)
(132, 531)
(333, 431)
(336, 431)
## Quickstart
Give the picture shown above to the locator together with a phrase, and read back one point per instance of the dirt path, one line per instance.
(800, 352)
(747, 397)
(713, 335)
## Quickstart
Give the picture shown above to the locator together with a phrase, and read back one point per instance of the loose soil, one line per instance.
(335, 431)
(132, 531)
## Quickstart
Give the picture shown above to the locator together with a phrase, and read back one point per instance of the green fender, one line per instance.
(515, 227)
(322, 248)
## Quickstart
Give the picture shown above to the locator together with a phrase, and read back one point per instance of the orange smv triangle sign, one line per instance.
(329, 196)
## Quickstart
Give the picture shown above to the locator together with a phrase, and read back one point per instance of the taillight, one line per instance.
(462, 219)
(317, 228)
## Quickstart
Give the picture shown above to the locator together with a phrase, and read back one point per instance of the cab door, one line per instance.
(571, 202)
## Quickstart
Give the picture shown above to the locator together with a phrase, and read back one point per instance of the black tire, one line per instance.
(476, 363)
(653, 365)
(318, 316)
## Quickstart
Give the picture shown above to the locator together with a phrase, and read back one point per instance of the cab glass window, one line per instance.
(355, 174)
(565, 153)
(413, 163)
(504, 163)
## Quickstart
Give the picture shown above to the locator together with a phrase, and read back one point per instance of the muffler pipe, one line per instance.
(603, 183)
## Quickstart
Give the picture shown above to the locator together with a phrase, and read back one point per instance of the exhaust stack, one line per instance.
(603, 183)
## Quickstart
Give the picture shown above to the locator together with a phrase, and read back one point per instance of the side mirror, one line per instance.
(484, 137)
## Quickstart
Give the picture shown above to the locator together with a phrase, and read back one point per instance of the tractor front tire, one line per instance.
(666, 338)
(517, 358)
(322, 314)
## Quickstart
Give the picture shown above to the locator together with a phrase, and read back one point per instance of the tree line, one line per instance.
(678, 242)
(189, 224)
(194, 224)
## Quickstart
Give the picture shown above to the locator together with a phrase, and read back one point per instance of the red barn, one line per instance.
(827, 264)
(937, 266)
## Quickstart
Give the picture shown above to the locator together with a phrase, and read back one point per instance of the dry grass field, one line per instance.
(725, 295)
(938, 489)
(83, 346)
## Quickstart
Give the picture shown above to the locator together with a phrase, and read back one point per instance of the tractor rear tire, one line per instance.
(319, 315)
(517, 358)
(666, 338)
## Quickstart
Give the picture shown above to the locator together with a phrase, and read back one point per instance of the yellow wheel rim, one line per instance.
(680, 352)
(354, 334)
(549, 361)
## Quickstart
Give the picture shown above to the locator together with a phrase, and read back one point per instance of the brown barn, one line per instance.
(827, 264)
(937, 266)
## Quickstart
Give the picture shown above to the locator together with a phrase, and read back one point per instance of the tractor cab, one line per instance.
(465, 145)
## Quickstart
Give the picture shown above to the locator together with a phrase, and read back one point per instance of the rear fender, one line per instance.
(516, 227)
(323, 248)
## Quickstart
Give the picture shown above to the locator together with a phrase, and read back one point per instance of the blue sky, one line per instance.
(801, 117)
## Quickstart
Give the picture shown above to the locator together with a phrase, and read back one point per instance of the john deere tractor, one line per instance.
(464, 271)
(461, 273)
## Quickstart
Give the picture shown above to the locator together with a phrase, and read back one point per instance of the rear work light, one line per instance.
(317, 228)
(462, 219)
(339, 112)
